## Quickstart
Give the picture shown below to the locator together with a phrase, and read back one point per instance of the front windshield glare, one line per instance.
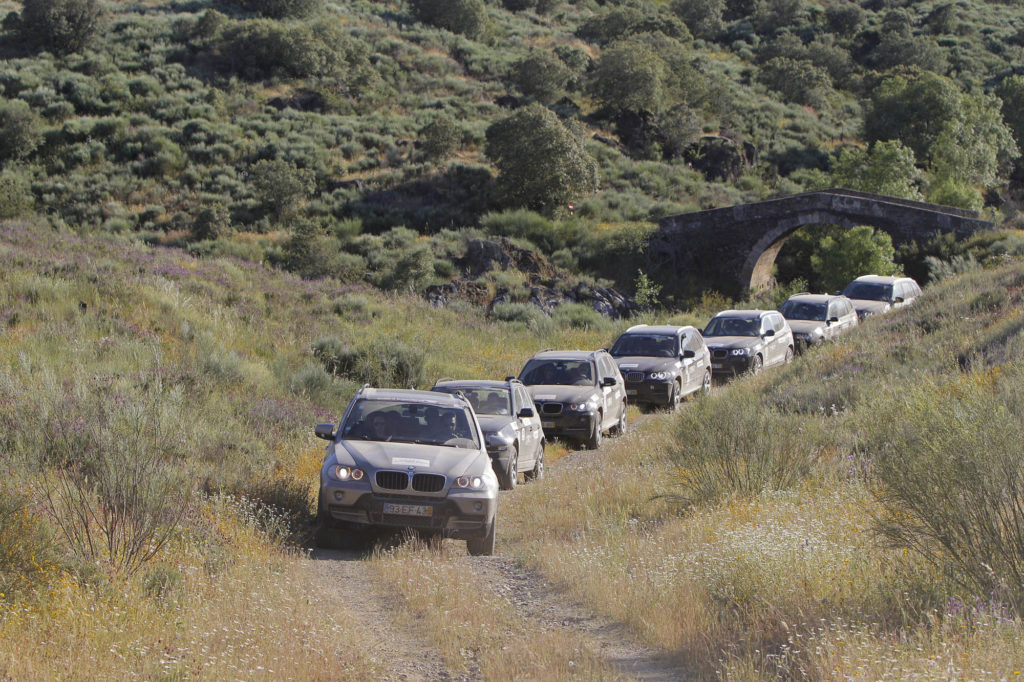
(869, 291)
(558, 373)
(403, 422)
(646, 345)
(802, 310)
(484, 400)
(733, 326)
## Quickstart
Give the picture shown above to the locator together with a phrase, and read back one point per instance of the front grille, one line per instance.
(427, 483)
(719, 354)
(551, 408)
(392, 480)
(634, 376)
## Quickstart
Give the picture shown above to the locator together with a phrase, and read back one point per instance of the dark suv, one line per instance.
(747, 340)
(579, 394)
(818, 317)
(662, 364)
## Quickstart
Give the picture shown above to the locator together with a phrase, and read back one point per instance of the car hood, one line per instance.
(438, 459)
(806, 326)
(563, 394)
(864, 305)
(493, 423)
(729, 342)
(643, 363)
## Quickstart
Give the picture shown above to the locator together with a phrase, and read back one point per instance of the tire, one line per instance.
(789, 355)
(620, 428)
(756, 365)
(483, 546)
(507, 479)
(705, 387)
(593, 442)
(537, 473)
(675, 398)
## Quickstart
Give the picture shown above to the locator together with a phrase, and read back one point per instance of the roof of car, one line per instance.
(412, 396)
(744, 313)
(879, 279)
(656, 329)
(567, 354)
(814, 298)
(474, 383)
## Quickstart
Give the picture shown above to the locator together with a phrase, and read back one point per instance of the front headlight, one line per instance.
(739, 351)
(588, 406)
(659, 376)
(346, 473)
(470, 482)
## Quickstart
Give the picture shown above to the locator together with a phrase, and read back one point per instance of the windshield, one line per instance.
(869, 291)
(558, 373)
(802, 310)
(734, 326)
(483, 400)
(647, 345)
(402, 422)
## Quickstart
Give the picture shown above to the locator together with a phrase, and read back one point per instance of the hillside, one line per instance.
(189, 387)
(295, 133)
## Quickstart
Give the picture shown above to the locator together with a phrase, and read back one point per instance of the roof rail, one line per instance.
(510, 378)
(443, 379)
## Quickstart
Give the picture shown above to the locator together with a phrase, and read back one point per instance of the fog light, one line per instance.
(339, 495)
(478, 506)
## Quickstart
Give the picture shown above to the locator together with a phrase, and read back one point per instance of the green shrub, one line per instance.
(279, 9)
(61, 26)
(16, 197)
(526, 314)
(440, 138)
(281, 185)
(338, 358)
(27, 550)
(21, 130)
(541, 75)
(468, 17)
(578, 316)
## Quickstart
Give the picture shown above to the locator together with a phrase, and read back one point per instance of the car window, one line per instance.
(483, 400)
(647, 345)
(693, 342)
(409, 422)
(803, 310)
(607, 367)
(558, 373)
(523, 399)
(778, 323)
(733, 326)
(835, 309)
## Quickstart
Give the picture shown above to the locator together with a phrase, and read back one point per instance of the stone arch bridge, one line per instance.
(733, 249)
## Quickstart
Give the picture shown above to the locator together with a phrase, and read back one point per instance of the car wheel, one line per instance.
(593, 442)
(538, 467)
(508, 478)
(789, 355)
(705, 387)
(756, 365)
(620, 428)
(675, 397)
(483, 546)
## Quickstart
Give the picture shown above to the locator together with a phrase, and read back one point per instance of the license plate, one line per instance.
(716, 365)
(408, 509)
(548, 425)
(630, 391)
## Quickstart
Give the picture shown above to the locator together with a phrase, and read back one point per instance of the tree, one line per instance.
(281, 185)
(651, 73)
(280, 9)
(541, 162)
(886, 168)
(466, 17)
(971, 148)
(848, 255)
(1011, 92)
(440, 138)
(797, 80)
(61, 26)
(702, 17)
(21, 130)
(913, 109)
(541, 75)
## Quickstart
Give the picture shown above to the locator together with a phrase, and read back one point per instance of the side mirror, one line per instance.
(526, 413)
(325, 431)
(769, 332)
(898, 299)
(608, 381)
(687, 354)
(833, 319)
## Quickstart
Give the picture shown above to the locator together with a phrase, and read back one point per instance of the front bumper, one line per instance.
(568, 424)
(731, 364)
(461, 515)
(652, 392)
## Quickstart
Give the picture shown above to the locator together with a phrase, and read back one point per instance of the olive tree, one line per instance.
(542, 164)
(61, 26)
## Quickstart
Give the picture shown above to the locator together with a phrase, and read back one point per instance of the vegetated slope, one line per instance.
(210, 123)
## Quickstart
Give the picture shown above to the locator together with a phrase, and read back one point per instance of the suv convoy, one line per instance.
(818, 317)
(747, 340)
(873, 294)
(512, 430)
(407, 459)
(579, 394)
(662, 364)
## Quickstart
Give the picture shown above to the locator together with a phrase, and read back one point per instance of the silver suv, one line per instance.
(579, 394)
(818, 317)
(512, 430)
(874, 294)
(748, 340)
(407, 459)
(662, 364)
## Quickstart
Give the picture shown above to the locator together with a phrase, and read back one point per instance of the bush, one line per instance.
(27, 551)
(337, 358)
(21, 130)
(279, 9)
(468, 17)
(440, 138)
(281, 186)
(526, 314)
(541, 75)
(261, 48)
(212, 222)
(15, 194)
(61, 26)
(578, 316)
(388, 364)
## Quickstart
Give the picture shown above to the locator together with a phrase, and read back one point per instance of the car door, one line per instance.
(530, 444)
(612, 395)
(771, 341)
(696, 366)
(783, 336)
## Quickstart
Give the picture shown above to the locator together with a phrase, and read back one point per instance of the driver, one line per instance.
(377, 427)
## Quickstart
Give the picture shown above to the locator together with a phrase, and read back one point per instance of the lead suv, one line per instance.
(512, 430)
(818, 317)
(579, 394)
(662, 364)
(748, 340)
(407, 459)
(874, 294)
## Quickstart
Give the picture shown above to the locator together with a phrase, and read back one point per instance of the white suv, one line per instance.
(873, 294)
